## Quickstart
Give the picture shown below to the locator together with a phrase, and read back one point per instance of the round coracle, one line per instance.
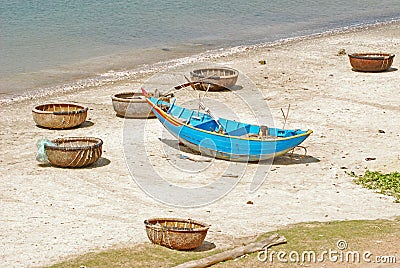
(181, 234)
(371, 62)
(132, 105)
(217, 78)
(59, 115)
(74, 151)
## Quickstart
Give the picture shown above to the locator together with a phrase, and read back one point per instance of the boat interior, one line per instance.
(205, 121)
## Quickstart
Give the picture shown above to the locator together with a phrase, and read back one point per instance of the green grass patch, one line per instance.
(142, 255)
(317, 235)
(377, 236)
(360, 235)
(388, 184)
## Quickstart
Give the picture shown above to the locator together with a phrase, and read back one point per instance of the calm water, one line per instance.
(48, 43)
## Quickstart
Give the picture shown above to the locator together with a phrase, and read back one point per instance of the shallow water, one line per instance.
(46, 44)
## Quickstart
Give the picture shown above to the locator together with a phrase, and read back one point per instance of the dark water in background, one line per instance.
(48, 44)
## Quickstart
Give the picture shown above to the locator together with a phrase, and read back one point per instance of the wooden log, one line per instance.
(274, 239)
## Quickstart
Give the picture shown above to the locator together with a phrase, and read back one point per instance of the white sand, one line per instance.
(49, 213)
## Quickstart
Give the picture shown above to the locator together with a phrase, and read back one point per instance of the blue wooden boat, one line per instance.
(223, 138)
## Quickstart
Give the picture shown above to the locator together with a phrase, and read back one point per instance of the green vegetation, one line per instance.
(142, 255)
(378, 236)
(388, 184)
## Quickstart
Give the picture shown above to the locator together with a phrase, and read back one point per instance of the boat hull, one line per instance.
(224, 146)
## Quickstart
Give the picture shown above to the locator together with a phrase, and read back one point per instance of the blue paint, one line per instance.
(202, 133)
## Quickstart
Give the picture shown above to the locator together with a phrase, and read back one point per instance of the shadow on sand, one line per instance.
(286, 159)
(99, 163)
(293, 159)
(205, 246)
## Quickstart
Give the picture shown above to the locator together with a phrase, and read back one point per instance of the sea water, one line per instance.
(49, 44)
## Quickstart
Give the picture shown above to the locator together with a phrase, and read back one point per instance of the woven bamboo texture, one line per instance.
(371, 62)
(74, 152)
(59, 115)
(175, 233)
(132, 105)
(217, 78)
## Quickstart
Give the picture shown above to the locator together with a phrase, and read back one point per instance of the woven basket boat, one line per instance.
(74, 151)
(218, 78)
(371, 62)
(175, 233)
(59, 115)
(132, 105)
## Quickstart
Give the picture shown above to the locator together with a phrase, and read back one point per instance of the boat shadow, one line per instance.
(294, 159)
(286, 159)
(174, 144)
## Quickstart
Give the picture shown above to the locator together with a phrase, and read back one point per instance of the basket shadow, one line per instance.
(205, 246)
(391, 69)
(101, 162)
(121, 116)
(235, 88)
(135, 118)
(220, 88)
(44, 165)
(83, 125)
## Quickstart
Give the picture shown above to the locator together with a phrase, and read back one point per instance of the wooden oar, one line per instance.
(274, 239)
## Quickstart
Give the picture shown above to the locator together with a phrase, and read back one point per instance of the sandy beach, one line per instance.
(49, 214)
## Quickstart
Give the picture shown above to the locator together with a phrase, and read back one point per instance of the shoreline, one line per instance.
(148, 68)
(51, 214)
